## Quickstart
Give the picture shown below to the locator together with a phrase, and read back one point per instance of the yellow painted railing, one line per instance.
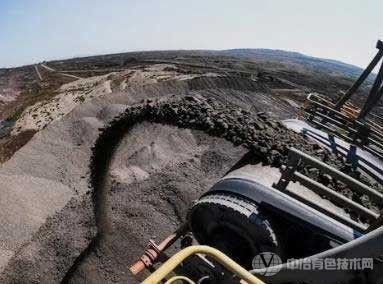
(175, 260)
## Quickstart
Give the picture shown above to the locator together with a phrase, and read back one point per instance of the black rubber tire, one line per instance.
(233, 225)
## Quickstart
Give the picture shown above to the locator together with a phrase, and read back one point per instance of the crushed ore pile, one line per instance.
(153, 154)
(267, 139)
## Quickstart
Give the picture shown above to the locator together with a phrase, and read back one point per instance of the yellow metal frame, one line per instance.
(178, 278)
(220, 257)
(348, 110)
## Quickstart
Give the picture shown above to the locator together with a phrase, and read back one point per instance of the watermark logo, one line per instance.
(269, 264)
(267, 261)
(331, 264)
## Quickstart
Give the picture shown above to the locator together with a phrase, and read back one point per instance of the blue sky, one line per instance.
(36, 30)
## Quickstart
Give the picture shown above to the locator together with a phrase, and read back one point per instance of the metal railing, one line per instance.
(290, 173)
(343, 124)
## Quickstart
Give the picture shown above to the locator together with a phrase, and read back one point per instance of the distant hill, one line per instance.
(274, 57)
(330, 66)
(271, 58)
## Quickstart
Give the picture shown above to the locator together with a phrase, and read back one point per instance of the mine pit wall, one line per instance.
(53, 250)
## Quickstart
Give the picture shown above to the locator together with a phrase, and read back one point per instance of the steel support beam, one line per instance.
(370, 104)
(373, 97)
(362, 77)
